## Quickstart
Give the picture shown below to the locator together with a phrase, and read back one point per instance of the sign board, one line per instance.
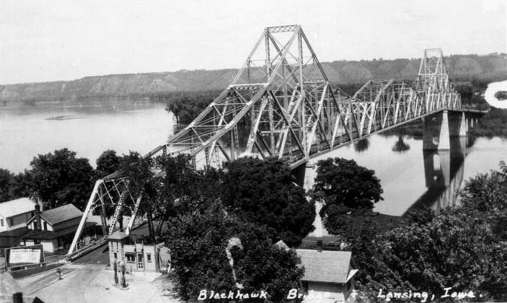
(24, 255)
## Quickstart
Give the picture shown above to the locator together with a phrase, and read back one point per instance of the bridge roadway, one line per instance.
(283, 98)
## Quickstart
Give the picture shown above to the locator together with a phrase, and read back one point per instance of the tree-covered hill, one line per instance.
(461, 67)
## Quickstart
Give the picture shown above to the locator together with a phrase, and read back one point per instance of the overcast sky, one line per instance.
(64, 40)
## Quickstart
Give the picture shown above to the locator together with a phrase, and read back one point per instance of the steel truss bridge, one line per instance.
(281, 104)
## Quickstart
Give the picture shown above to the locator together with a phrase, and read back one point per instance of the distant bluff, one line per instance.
(490, 67)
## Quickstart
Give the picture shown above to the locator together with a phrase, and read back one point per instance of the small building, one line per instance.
(11, 238)
(328, 276)
(15, 213)
(137, 251)
(53, 228)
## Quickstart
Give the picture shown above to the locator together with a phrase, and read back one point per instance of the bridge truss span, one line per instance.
(281, 104)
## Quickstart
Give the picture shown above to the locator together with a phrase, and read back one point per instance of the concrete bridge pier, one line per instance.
(444, 137)
(458, 126)
(440, 127)
(436, 132)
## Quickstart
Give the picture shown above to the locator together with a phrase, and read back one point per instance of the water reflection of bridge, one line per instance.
(444, 171)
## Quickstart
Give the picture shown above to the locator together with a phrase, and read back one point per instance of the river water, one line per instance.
(87, 130)
(410, 177)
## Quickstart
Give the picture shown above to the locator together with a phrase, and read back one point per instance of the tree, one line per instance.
(6, 179)
(107, 163)
(61, 178)
(141, 184)
(400, 146)
(184, 189)
(362, 145)
(455, 249)
(264, 192)
(461, 247)
(345, 188)
(21, 186)
(486, 192)
(198, 254)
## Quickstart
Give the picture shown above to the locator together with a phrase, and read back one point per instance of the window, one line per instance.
(131, 258)
(148, 257)
(115, 256)
(2, 222)
(45, 225)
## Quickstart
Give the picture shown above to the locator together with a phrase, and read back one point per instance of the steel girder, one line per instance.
(280, 104)
(108, 192)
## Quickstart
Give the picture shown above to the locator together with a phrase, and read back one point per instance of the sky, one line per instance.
(48, 40)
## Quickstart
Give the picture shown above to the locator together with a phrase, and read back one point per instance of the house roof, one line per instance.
(330, 242)
(50, 235)
(14, 233)
(325, 265)
(16, 207)
(61, 214)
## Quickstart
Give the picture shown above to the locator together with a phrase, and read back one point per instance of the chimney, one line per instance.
(37, 223)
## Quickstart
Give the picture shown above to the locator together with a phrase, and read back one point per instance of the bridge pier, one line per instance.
(458, 125)
(443, 125)
(443, 139)
(436, 132)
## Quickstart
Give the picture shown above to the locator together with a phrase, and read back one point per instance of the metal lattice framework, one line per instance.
(280, 104)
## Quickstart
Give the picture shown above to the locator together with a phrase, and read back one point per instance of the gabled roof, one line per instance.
(16, 207)
(50, 235)
(60, 214)
(325, 265)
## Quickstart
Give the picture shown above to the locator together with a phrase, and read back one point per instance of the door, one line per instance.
(140, 261)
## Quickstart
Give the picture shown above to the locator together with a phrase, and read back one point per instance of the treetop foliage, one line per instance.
(59, 178)
(198, 250)
(264, 192)
(344, 186)
(461, 247)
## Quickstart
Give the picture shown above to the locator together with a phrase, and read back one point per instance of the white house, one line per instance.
(328, 277)
(15, 213)
(53, 228)
(138, 251)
